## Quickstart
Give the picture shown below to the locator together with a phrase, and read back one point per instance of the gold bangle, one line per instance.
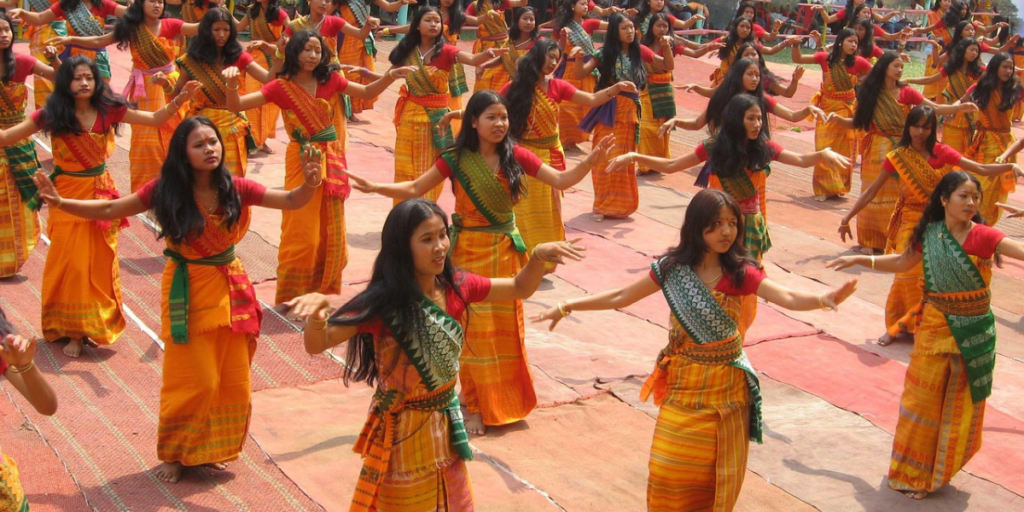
(31, 364)
(386, 31)
(563, 308)
(321, 182)
(235, 88)
(872, 262)
(821, 301)
(60, 202)
(311, 325)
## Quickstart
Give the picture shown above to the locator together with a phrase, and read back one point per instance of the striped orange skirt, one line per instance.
(873, 220)
(19, 226)
(615, 193)
(827, 181)
(650, 143)
(436, 489)
(987, 146)
(539, 212)
(262, 120)
(571, 114)
(353, 52)
(414, 147)
(150, 143)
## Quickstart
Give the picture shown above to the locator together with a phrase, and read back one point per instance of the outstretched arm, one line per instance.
(1011, 248)
(799, 58)
(947, 110)
(525, 283)
(611, 299)
(95, 42)
(32, 18)
(161, 116)
(891, 263)
(317, 336)
(663, 165)
(312, 167)
(797, 300)
(400, 190)
(562, 180)
(925, 80)
(814, 158)
(375, 88)
(596, 99)
(93, 209)
(17, 132)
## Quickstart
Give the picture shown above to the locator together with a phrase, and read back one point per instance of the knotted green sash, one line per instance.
(36, 202)
(434, 347)
(488, 195)
(706, 322)
(949, 271)
(328, 134)
(180, 288)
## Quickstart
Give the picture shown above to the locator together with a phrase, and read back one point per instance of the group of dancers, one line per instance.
(439, 330)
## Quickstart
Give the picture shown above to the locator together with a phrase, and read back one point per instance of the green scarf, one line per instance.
(180, 288)
(487, 194)
(36, 202)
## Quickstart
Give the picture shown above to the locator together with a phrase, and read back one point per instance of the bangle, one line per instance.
(872, 262)
(60, 202)
(821, 301)
(321, 182)
(235, 88)
(315, 325)
(31, 364)
(386, 31)
(563, 308)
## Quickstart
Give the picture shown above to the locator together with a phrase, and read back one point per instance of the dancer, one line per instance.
(19, 229)
(708, 392)
(492, 31)
(840, 71)
(192, 11)
(17, 364)
(883, 101)
(649, 8)
(997, 92)
(210, 316)
(360, 53)
(265, 20)
(917, 163)
(83, 252)
(414, 444)
(423, 100)
(621, 58)
(215, 48)
(534, 102)
(951, 368)
(313, 250)
(84, 18)
(961, 70)
(740, 142)
(748, 10)
(575, 32)
(740, 33)
(486, 169)
(37, 36)
(946, 15)
(521, 37)
(330, 27)
(152, 38)
(772, 83)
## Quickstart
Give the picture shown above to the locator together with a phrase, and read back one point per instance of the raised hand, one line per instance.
(575, 52)
(835, 160)
(361, 184)
(47, 191)
(836, 296)
(50, 52)
(798, 73)
(159, 78)
(312, 305)
(17, 351)
(818, 113)
(1015, 213)
(15, 14)
(311, 159)
(557, 252)
(231, 74)
(373, 22)
(191, 88)
(599, 153)
(401, 73)
(717, 45)
(447, 120)
(687, 88)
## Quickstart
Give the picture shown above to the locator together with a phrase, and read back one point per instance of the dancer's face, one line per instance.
(430, 247)
(526, 22)
(861, 32)
(864, 13)
(311, 54)
(551, 61)
(750, 53)
(221, 32)
(720, 236)
(204, 150)
(972, 53)
(944, 5)
(1006, 70)
(153, 8)
(319, 7)
(743, 29)
(895, 70)
(83, 83)
(752, 122)
(850, 45)
(657, 5)
(968, 32)
(751, 77)
(580, 8)
(430, 25)
(6, 35)
(492, 125)
(660, 29)
(627, 33)
(920, 132)
(748, 13)
(963, 203)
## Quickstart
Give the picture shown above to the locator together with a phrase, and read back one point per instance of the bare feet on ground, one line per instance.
(169, 471)
(266, 149)
(219, 466)
(475, 424)
(74, 347)
(597, 217)
(887, 339)
(916, 495)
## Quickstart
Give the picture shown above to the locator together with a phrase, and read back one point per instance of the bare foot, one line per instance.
(597, 217)
(219, 466)
(253, 152)
(266, 149)
(353, 119)
(887, 339)
(169, 471)
(916, 495)
(820, 198)
(74, 347)
(475, 424)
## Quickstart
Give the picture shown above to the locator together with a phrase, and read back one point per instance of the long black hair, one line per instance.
(273, 10)
(914, 118)
(866, 44)
(648, 39)
(644, 8)
(836, 57)
(513, 30)
(7, 54)
(564, 15)
(743, 7)
(60, 106)
(393, 291)
(732, 86)
(611, 51)
(412, 40)
(936, 212)
(958, 34)
(520, 92)
(952, 16)
(871, 89)
(456, 17)
(291, 67)
(958, 58)
(989, 81)
(701, 215)
(128, 24)
(173, 202)
(732, 152)
(852, 17)
(469, 140)
(203, 48)
(732, 39)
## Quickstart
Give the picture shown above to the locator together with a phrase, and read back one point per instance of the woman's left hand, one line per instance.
(557, 252)
(1015, 213)
(17, 351)
(599, 154)
(834, 298)
(836, 160)
(47, 191)
(400, 73)
(311, 160)
(189, 91)
(843, 262)
(311, 305)
(626, 86)
(966, 107)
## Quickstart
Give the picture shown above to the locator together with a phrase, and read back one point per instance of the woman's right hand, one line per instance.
(575, 52)
(687, 88)
(1015, 213)
(231, 74)
(159, 78)
(832, 299)
(844, 230)
(666, 127)
(843, 262)
(619, 162)
(59, 41)
(553, 314)
(312, 305)
(47, 191)
(361, 184)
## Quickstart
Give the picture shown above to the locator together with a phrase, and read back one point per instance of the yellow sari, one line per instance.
(263, 120)
(19, 224)
(958, 129)
(211, 101)
(571, 114)
(539, 213)
(657, 105)
(991, 137)
(886, 128)
(38, 36)
(357, 52)
(836, 96)
(943, 34)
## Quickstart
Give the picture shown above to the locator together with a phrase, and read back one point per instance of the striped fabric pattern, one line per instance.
(616, 194)
(873, 220)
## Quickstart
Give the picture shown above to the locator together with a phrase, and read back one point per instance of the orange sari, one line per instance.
(19, 224)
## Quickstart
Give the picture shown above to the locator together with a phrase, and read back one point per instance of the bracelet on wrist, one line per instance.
(563, 308)
(318, 183)
(31, 364)
(872, 262)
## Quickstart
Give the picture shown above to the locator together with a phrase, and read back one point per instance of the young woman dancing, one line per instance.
(487, 169)
(82, 116)
(740, 33)
(521, 37)
(708, 392)
(265, 20)
(575, 32)
(210, 316)
(961, 71)
(414, 444)
(917, 162)
(357, 52)
(951, 368)
(313, 251)
(38, 35)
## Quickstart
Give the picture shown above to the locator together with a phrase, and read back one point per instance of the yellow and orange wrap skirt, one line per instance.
(873, 220)
(616, 193)
(826, 180)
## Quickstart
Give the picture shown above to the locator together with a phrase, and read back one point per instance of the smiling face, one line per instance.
(963, 203)
(204, 149)
(720, 236)
(429, 246)
(751, 77)
(309, 57)
(752, 120)
(492, 125)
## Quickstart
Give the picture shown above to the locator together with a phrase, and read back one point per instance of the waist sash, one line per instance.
(488, 196)
(91, 172)
(606, 115)
(436, 106)
(180, 288)
(136, 86)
